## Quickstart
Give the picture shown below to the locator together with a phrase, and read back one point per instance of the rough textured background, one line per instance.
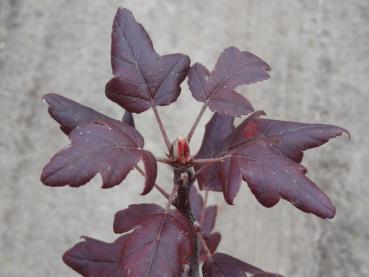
(319, 54)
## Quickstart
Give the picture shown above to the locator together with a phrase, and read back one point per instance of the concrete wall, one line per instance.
(319, 54)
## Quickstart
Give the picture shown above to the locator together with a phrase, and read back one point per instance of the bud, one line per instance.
(180, 151)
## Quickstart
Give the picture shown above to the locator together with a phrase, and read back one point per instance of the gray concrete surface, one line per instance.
(319, 54)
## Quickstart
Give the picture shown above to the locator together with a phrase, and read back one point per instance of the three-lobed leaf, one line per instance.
(161, 242)
(265, 153)
(110, 148)
(216, 88)
(143, 79)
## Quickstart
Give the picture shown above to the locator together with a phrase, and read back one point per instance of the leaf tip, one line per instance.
(330, 212)
(344, 131)
(46, 98)
(228, 199)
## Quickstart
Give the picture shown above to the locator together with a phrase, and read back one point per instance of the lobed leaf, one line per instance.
(214, 142)
(110, 148)
(216, 88)
(143, 79)
(161, 241)
(223, 265)
(265, 153)
(94, 258)
(70, 114)
(271, 176)
(128, 119)
(292, 137)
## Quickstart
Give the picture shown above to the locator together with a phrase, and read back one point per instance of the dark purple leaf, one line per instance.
(196, 203)
(143, 79)
(110, 148)
(161, 241)
(272, 176)
(223, 265)
(212, 241)
(94, 258)
(206, 218)
(292, 137)
(128, 119)
(216, 88)
(264, 153)
(214, 142)
(70, 114)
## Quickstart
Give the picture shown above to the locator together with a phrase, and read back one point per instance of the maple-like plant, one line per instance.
(177, 239)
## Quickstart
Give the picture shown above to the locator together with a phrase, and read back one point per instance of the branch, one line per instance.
(183, 178)
(171, 197)
(159, 188)
(164, 161)
(197, 120)
(209, 160)
(162, 128)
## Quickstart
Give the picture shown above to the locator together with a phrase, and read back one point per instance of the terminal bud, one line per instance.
(180, 151)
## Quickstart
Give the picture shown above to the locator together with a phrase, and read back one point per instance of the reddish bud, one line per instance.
(180, 151)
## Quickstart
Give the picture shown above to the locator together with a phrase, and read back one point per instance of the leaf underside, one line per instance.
(143, 79)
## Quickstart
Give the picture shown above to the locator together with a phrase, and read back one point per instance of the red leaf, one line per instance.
(212, 241)
(161, 241)
(272, 176)
(216, 88)
(292, 137)
(216, 131)
(110, 148)
(128, 119)
(143, 79)
(265, 153)
(207, 220)
(70, 114)
(223, 265)
(94, 258)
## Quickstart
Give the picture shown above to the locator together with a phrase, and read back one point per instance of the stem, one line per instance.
(202, 217)
(204, 245)
(171, 197)
(209, 160)
(159, 188)
(183, 178)
(162, 128)
(164, 161)
(197, 120)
